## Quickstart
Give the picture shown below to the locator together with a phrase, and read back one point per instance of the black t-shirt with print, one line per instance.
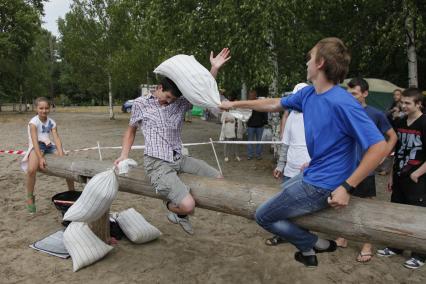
(410, 151)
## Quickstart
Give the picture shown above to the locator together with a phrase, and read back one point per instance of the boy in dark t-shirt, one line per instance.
(408, 181)
(358, 87)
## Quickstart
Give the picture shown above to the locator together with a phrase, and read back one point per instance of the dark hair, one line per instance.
(414, 93)
(41, 99)
(336, 58)
(424, 104)
(363, 85)
(169, 86)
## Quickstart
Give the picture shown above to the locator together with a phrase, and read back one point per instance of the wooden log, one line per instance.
(101, 229)
(395, 225)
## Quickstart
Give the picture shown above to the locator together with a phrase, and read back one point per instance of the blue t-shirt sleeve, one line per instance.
(355, 123)
(293, 101)
(383, 123)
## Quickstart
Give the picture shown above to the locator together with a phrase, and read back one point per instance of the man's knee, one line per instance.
(187, 204)
(259, 217)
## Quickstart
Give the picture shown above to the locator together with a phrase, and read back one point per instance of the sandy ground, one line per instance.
(224, 249)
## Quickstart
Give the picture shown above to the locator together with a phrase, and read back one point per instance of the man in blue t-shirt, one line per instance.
(358, 87)
(334, 123)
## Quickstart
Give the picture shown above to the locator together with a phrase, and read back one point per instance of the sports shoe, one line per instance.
(307, 260)
(413, 263)
(385, 252)
(237, 158)
(226, 159)
(183, 222)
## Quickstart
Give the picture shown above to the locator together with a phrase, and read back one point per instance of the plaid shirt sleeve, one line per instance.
(136, 116)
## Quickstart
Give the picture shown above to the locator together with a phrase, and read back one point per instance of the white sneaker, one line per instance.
(237, 158)
(413, 263)
(385, 252)
(226, 159)
(183, 222)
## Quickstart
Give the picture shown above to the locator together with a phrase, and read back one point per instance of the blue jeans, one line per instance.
(46, 149)
(252, 132)
(284, 179)
(296, 199)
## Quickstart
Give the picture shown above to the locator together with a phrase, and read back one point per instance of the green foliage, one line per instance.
(125, 40)
(19, 28)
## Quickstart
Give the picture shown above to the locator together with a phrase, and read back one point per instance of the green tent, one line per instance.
(197, 111)
(380, 94)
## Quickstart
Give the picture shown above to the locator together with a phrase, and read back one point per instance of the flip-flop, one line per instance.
(362, 254)
(274, 241)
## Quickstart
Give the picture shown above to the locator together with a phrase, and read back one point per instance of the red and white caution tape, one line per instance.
(13, 152)
(138, 147)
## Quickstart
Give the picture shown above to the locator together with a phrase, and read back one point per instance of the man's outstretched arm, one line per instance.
(128, 139)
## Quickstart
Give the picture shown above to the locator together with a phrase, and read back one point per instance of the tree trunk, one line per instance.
(101, 229)
(111, 110)
(273, 87)
(243, 92)
(411, 47)
(391, 224)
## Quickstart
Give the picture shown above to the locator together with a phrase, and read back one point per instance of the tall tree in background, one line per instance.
(19, 29)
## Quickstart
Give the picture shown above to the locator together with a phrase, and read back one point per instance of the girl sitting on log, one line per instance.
(39, 129)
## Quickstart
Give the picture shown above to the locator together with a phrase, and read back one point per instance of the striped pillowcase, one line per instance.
(96, 199)
(136, 228)
(194, 81)
(83, 245)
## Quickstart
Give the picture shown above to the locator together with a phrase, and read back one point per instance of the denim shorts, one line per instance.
(45, 149)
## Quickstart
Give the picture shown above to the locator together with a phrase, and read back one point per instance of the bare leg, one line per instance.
(31, 179)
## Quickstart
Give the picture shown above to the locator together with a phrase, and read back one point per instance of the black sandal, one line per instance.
(274, 241)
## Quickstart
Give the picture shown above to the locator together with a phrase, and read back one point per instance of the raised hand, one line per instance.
(218, 60)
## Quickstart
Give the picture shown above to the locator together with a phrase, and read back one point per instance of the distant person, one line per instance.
(358, 87)
(395, 111)
(160, 117)
(294, 156)
(41, 129)
(255, 126)
(408, 179)
(188, 116)
(229, 133)
(334, 124)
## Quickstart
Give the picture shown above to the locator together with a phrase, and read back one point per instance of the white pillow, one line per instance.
(194, 81)
(96, 199)
(83, 245)
(136, 228)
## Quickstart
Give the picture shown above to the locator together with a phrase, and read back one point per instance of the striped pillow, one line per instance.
(96, 199)
(83, 245)
(136, 228)
(194, 81)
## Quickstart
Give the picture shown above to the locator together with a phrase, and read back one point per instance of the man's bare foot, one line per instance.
(342, 242)
(365, 254)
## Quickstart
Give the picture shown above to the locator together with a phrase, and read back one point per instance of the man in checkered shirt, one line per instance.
(160, 116)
